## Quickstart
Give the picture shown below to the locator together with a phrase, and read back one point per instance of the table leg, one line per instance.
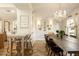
(10, 46)
(22, 46)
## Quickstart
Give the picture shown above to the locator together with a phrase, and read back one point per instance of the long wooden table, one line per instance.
(69, 44)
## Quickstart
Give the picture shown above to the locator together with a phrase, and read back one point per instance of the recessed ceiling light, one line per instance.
(8, 10)
(12, 11)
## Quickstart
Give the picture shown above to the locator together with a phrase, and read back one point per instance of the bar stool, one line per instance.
(28, 45)
(18, 47)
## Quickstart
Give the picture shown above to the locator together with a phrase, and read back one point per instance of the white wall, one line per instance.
(6, 5)
(39, 34)
(23, 31)
(77, 25)
(36, 33)
(75, 18)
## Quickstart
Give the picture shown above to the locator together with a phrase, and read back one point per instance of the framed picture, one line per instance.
(40, 28)
(24, 21)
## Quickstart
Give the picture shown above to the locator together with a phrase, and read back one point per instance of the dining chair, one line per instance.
(46, 40)
(54, 48)
(48, 43)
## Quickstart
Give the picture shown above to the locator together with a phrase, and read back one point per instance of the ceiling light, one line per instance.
(60, 12)
(12, 11)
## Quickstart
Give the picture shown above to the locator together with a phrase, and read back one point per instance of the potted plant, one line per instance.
(61, 33)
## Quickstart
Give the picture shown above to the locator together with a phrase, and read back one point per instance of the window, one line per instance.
(71, 27)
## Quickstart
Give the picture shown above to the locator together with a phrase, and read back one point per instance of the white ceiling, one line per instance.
(7, 13)
(6, 8)
(39, 9)
(23, 6)
(48, 9)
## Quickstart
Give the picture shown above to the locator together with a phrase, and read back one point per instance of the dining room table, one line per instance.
(67, 43)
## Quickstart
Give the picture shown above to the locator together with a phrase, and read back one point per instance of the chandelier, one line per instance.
(60, 13)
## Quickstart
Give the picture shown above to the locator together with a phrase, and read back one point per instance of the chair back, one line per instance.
(27, 36)
(51, 43)
(46, 38)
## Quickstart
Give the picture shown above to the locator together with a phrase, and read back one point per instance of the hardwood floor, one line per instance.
(38, 49)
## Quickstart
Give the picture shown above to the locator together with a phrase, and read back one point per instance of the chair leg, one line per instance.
(57, 53)
(51, 53)
(65, 53)
(70, 54)
(46, 46)
(61, 53)
(54, 54)
(48, 51)
(30, 44)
